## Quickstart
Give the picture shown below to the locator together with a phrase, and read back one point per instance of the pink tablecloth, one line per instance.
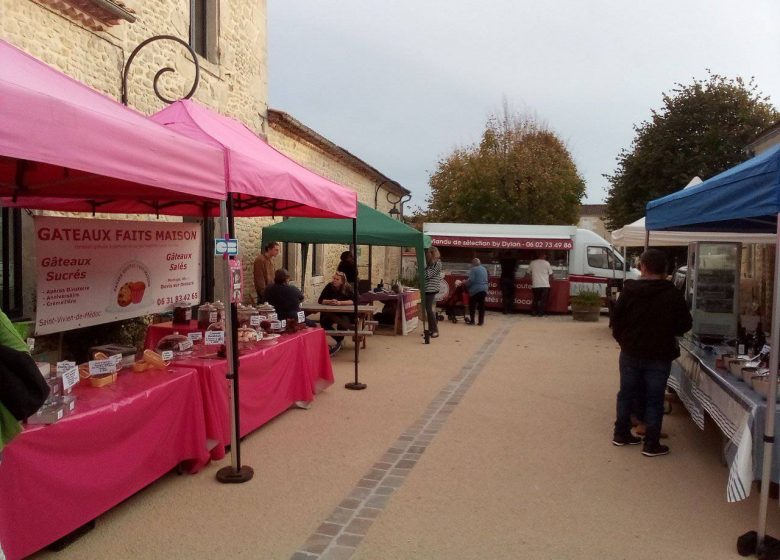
(271, 379)
(53, 479)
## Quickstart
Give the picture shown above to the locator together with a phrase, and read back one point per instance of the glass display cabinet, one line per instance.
(712, 289)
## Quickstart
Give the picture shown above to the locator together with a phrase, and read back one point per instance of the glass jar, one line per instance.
(245, 314)
(220, 310)
(207, 314)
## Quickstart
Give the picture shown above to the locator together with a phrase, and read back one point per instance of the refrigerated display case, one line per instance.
(712, 289)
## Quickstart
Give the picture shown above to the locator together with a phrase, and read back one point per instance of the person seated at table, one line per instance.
(285, 298)
(337, 292)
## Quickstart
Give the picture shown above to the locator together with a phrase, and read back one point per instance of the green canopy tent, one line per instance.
(373, 228)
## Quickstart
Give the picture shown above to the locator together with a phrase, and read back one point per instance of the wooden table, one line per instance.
(365, 317)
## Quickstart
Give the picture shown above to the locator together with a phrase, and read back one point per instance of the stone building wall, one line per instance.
(386, 260)
(235, 86)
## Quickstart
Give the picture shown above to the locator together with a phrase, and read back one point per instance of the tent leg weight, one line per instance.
(229, 475)
(747, 545)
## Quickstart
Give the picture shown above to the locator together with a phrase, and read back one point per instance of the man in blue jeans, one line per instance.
(647, 319)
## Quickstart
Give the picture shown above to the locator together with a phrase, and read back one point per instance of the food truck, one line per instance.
(580, 258)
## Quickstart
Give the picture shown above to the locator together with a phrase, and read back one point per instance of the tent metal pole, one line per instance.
(356, 385)
(236, 472)
(304, 262)
(769, 427)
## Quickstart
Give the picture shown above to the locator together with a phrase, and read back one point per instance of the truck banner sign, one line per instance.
(502, 243)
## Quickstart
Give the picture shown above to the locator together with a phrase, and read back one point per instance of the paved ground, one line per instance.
(492, 442)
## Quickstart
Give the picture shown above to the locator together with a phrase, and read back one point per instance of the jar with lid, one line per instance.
(220, 310)
(245, 314)
(207, 314)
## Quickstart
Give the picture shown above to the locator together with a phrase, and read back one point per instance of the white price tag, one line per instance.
(167, 355)
(213, 317)
(69, 377)
(215, 337)
(102, 367)
(301, 317)
(117, 358)
(766, 349)
(185, 345)
(64, 366)
(284, 324)
(254, 320)
(195, 336)
(31, 344)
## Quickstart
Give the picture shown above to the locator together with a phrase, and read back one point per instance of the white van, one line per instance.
(581, 259)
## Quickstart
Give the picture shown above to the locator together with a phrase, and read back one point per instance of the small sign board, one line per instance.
(69, 378)
(102, 367)
(215, 337)
(195, 336)
(225, 247)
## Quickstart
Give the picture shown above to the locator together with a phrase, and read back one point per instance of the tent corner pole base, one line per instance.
(229, 475)
(355, 386)
(747, 545)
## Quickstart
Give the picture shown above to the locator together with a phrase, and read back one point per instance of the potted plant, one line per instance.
(586, 305)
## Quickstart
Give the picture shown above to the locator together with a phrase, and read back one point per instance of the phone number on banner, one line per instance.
(194, 296)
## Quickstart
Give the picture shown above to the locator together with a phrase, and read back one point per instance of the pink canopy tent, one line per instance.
(59, 138)
(262, 180)
(66, 147)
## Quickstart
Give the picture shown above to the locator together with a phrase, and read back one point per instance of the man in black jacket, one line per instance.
(648, 317)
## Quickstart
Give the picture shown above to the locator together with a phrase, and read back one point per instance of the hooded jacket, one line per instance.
(648, 317)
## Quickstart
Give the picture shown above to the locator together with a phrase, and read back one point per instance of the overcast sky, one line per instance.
(400, 83)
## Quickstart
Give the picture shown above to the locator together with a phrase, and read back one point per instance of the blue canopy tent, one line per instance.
(745, 198)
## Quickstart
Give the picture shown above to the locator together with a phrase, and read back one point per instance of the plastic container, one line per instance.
(179, 344)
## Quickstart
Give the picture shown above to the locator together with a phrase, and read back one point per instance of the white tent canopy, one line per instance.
(635, 234)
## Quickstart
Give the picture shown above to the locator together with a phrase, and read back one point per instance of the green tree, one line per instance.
(702, 129)
(519, 173)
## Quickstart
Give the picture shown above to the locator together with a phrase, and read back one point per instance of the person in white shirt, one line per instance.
(541, 273)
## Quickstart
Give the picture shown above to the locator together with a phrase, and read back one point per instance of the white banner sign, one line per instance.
(97, 271)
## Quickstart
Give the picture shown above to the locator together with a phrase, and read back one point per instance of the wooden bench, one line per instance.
(362, 334)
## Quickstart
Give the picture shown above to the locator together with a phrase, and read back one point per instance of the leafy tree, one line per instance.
(702, 129)
(519, 173)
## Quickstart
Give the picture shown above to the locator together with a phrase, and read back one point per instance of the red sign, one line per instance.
(503, 243)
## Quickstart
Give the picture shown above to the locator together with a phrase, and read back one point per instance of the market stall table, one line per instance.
(406, 308)
(733, 405)
(119, 439)
(273, 378)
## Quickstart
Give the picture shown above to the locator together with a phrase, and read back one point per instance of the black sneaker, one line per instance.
(335, 348)
(620, 441)
(654, 450)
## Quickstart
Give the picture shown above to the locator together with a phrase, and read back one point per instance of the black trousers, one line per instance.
(477, 302)
(539, 304)
(430, 312)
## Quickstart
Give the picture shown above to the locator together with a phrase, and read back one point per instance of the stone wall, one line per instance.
(236, 86)
(386, 260)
